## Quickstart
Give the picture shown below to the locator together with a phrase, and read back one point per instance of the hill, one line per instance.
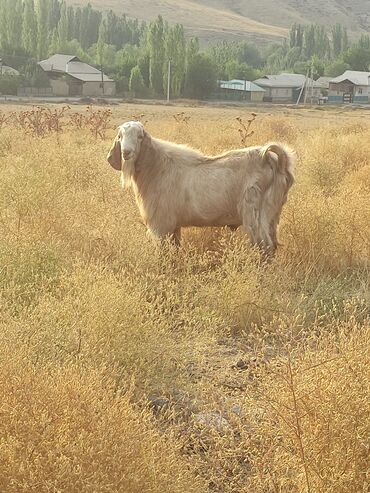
(259, 19)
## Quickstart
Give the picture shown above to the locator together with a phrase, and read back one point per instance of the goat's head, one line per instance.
(126, 145)
(126, 149)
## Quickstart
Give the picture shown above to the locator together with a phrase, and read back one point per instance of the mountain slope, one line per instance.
(231, 19)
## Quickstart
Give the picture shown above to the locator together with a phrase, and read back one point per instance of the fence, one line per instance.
(35, 91)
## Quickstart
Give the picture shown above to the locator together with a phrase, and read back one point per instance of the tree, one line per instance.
(236, 70)
(309, 41)
(102, 41)
(338, 37)
(293, 56)
(157, 54)
(71, 23)
(358, 58)
(63, 28)
(136, 83)
(9, 84)
(77, 24)
(175, 50)
(296, 35)
(29, 33)
(364, 42)
(201, 77)
(53, 8)
(42, 25)
(14, 23)
(338, 67)
(3, 23)
(249, 54)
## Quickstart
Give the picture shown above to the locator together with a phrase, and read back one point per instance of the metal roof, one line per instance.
(8, 70)
(57, 63)
(323, 82)
(240, 85)
(282, 80)
(73, 66)
(357, 78)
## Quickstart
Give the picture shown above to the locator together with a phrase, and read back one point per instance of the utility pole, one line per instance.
(102, 79)
(169, 81)
(302, 89)
(311, 83)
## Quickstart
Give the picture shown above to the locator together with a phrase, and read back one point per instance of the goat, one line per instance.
(176, 186)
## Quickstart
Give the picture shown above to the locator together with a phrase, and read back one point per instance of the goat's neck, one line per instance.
(146, 163)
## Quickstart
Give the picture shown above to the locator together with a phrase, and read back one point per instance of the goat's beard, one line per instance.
(127, 173)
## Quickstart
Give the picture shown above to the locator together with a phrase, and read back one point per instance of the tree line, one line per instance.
(136, 54)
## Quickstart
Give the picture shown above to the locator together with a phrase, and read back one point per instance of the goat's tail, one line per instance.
(284, 163)
(280, 159)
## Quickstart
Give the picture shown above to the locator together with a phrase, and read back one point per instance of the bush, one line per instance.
(9, 84)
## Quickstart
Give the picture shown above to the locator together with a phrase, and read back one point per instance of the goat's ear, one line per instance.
(115, 156)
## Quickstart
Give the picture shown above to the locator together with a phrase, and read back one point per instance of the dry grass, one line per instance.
(210, 373)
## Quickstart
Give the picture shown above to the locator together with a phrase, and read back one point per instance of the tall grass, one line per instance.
(208, 372)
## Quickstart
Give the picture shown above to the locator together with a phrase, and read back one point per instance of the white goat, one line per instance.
(176, 186)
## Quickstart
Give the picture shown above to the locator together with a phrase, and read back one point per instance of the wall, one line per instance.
(257, 97)
(361, 94)
(59, 87)
(94, 89)
(281, 94)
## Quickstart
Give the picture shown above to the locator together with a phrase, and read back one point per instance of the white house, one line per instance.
(351, 87)
(285, 88)
(69, 76)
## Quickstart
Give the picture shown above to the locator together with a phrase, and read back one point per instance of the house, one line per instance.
(286, 88)
(69, 76)
(239, 90)
(351, 87)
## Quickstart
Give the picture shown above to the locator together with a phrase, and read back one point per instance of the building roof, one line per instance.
(72, 65)
(240, 85)
(9, 70)
(323, 82)
(282, 80)
(357, 78)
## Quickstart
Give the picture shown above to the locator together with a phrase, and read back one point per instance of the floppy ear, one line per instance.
(115, 156)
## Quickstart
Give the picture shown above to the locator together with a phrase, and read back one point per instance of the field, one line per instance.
(206, 370)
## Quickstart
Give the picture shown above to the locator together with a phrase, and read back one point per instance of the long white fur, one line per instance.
(176, 186)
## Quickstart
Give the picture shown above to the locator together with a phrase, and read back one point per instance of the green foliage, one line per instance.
(42, 23)
(201, 76)
(9, 84)
(156, 47)
(358, 58)
(175, 50)
(236, 70)
(338, 67)
(136, 83)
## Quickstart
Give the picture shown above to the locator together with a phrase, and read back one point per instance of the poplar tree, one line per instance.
(63, 29)
(157, 54)
(42, 25)
(29, 33)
